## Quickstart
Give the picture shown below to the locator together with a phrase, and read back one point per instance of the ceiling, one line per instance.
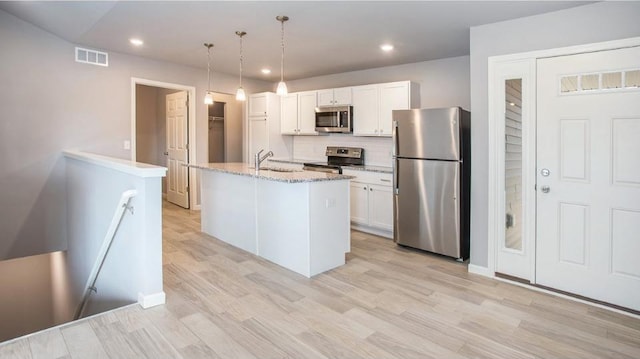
(321, 37)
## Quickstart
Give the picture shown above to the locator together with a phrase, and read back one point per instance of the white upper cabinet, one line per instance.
(307, 113)
(373, 106)
(289, 114)
(264, 125)
(365, 110)
(298, 114)
(258, 105)
(393, 96)
(334, 97)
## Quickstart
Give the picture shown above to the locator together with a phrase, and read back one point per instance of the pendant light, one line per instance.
(208, 98)
(240, 95)
(282, 87)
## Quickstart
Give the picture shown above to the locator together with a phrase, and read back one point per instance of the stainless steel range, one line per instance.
(336, 158)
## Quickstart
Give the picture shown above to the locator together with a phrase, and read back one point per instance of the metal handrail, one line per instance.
(123, 205)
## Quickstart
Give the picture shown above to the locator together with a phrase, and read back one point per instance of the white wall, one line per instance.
(26, 300)
(581, 25)
(50, 103)
(442, 83)
(134, 262)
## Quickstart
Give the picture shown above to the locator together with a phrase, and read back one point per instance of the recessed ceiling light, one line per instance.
(136, 42)
(386, 47)
(266, 71)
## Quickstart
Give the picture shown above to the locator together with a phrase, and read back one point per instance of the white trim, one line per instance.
(500, 72)
(151, 300)
(126, 166)
(372, 230)
(193, 183)
(560, 295)
(494, 193)
(64, 325)
(479, 270)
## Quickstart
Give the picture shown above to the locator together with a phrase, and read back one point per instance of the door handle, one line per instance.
(166, 153)
(545, 189)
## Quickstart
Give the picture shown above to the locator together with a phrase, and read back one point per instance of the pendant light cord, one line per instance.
(241, 59)
(209, 46)
(282, 45)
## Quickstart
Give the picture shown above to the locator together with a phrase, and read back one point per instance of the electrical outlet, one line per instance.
(330, 202)
(127, 145)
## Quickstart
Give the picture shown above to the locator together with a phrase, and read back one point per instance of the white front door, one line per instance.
(588, 175)
(177, 148)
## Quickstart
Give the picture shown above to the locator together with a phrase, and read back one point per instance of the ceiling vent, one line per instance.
(92, 57)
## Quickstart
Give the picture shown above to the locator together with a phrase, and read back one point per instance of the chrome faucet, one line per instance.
(258, 160)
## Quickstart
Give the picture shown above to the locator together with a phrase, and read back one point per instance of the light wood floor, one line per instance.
(386, 302)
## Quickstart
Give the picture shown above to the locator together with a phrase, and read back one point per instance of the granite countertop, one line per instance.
(270, 172)
(368, 168)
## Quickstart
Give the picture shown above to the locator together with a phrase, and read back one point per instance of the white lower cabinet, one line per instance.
(359, 203)
(371, 202)
(381, 207)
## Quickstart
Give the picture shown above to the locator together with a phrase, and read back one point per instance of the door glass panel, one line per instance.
(513, 164)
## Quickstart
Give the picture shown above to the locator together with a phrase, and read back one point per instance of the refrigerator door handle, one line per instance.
(394, 136)
(394, 153)
(396, 190)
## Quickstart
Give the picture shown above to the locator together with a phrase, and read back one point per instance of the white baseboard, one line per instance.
(483, 271)
(367, 229)
(151, 300)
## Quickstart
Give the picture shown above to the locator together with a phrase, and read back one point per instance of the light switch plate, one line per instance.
(127, 145)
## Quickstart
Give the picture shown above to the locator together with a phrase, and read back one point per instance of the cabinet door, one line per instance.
(381, 207)
(258, 136)
(342, 96)
(325, 97)
(359, 203)
(365, 110)
(289, 114)
(307, 113)
(393, 96)
(258, 104)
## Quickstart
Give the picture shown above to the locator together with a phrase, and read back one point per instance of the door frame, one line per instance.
(496, 212)
(191, 152)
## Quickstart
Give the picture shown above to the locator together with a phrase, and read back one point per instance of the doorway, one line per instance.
(225, 129)
(562, 124)
(163, 131)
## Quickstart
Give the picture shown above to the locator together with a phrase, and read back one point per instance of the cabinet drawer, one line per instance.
(377, 178)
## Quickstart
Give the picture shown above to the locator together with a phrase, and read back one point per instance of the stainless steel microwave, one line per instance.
(334, 119)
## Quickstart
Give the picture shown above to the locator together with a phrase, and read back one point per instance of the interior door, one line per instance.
(177, 148)
(588, 175)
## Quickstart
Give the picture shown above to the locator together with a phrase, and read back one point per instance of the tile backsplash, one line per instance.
(377, 150)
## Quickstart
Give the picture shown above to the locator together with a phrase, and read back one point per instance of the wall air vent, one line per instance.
(92, 57)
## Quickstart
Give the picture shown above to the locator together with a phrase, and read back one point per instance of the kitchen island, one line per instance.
(296, 219)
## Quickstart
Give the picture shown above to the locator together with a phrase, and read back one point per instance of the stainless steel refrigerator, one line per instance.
(432, 165)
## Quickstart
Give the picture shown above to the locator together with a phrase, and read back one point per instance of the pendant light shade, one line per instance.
(208, 98)
(240, 95)
(282, 87)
